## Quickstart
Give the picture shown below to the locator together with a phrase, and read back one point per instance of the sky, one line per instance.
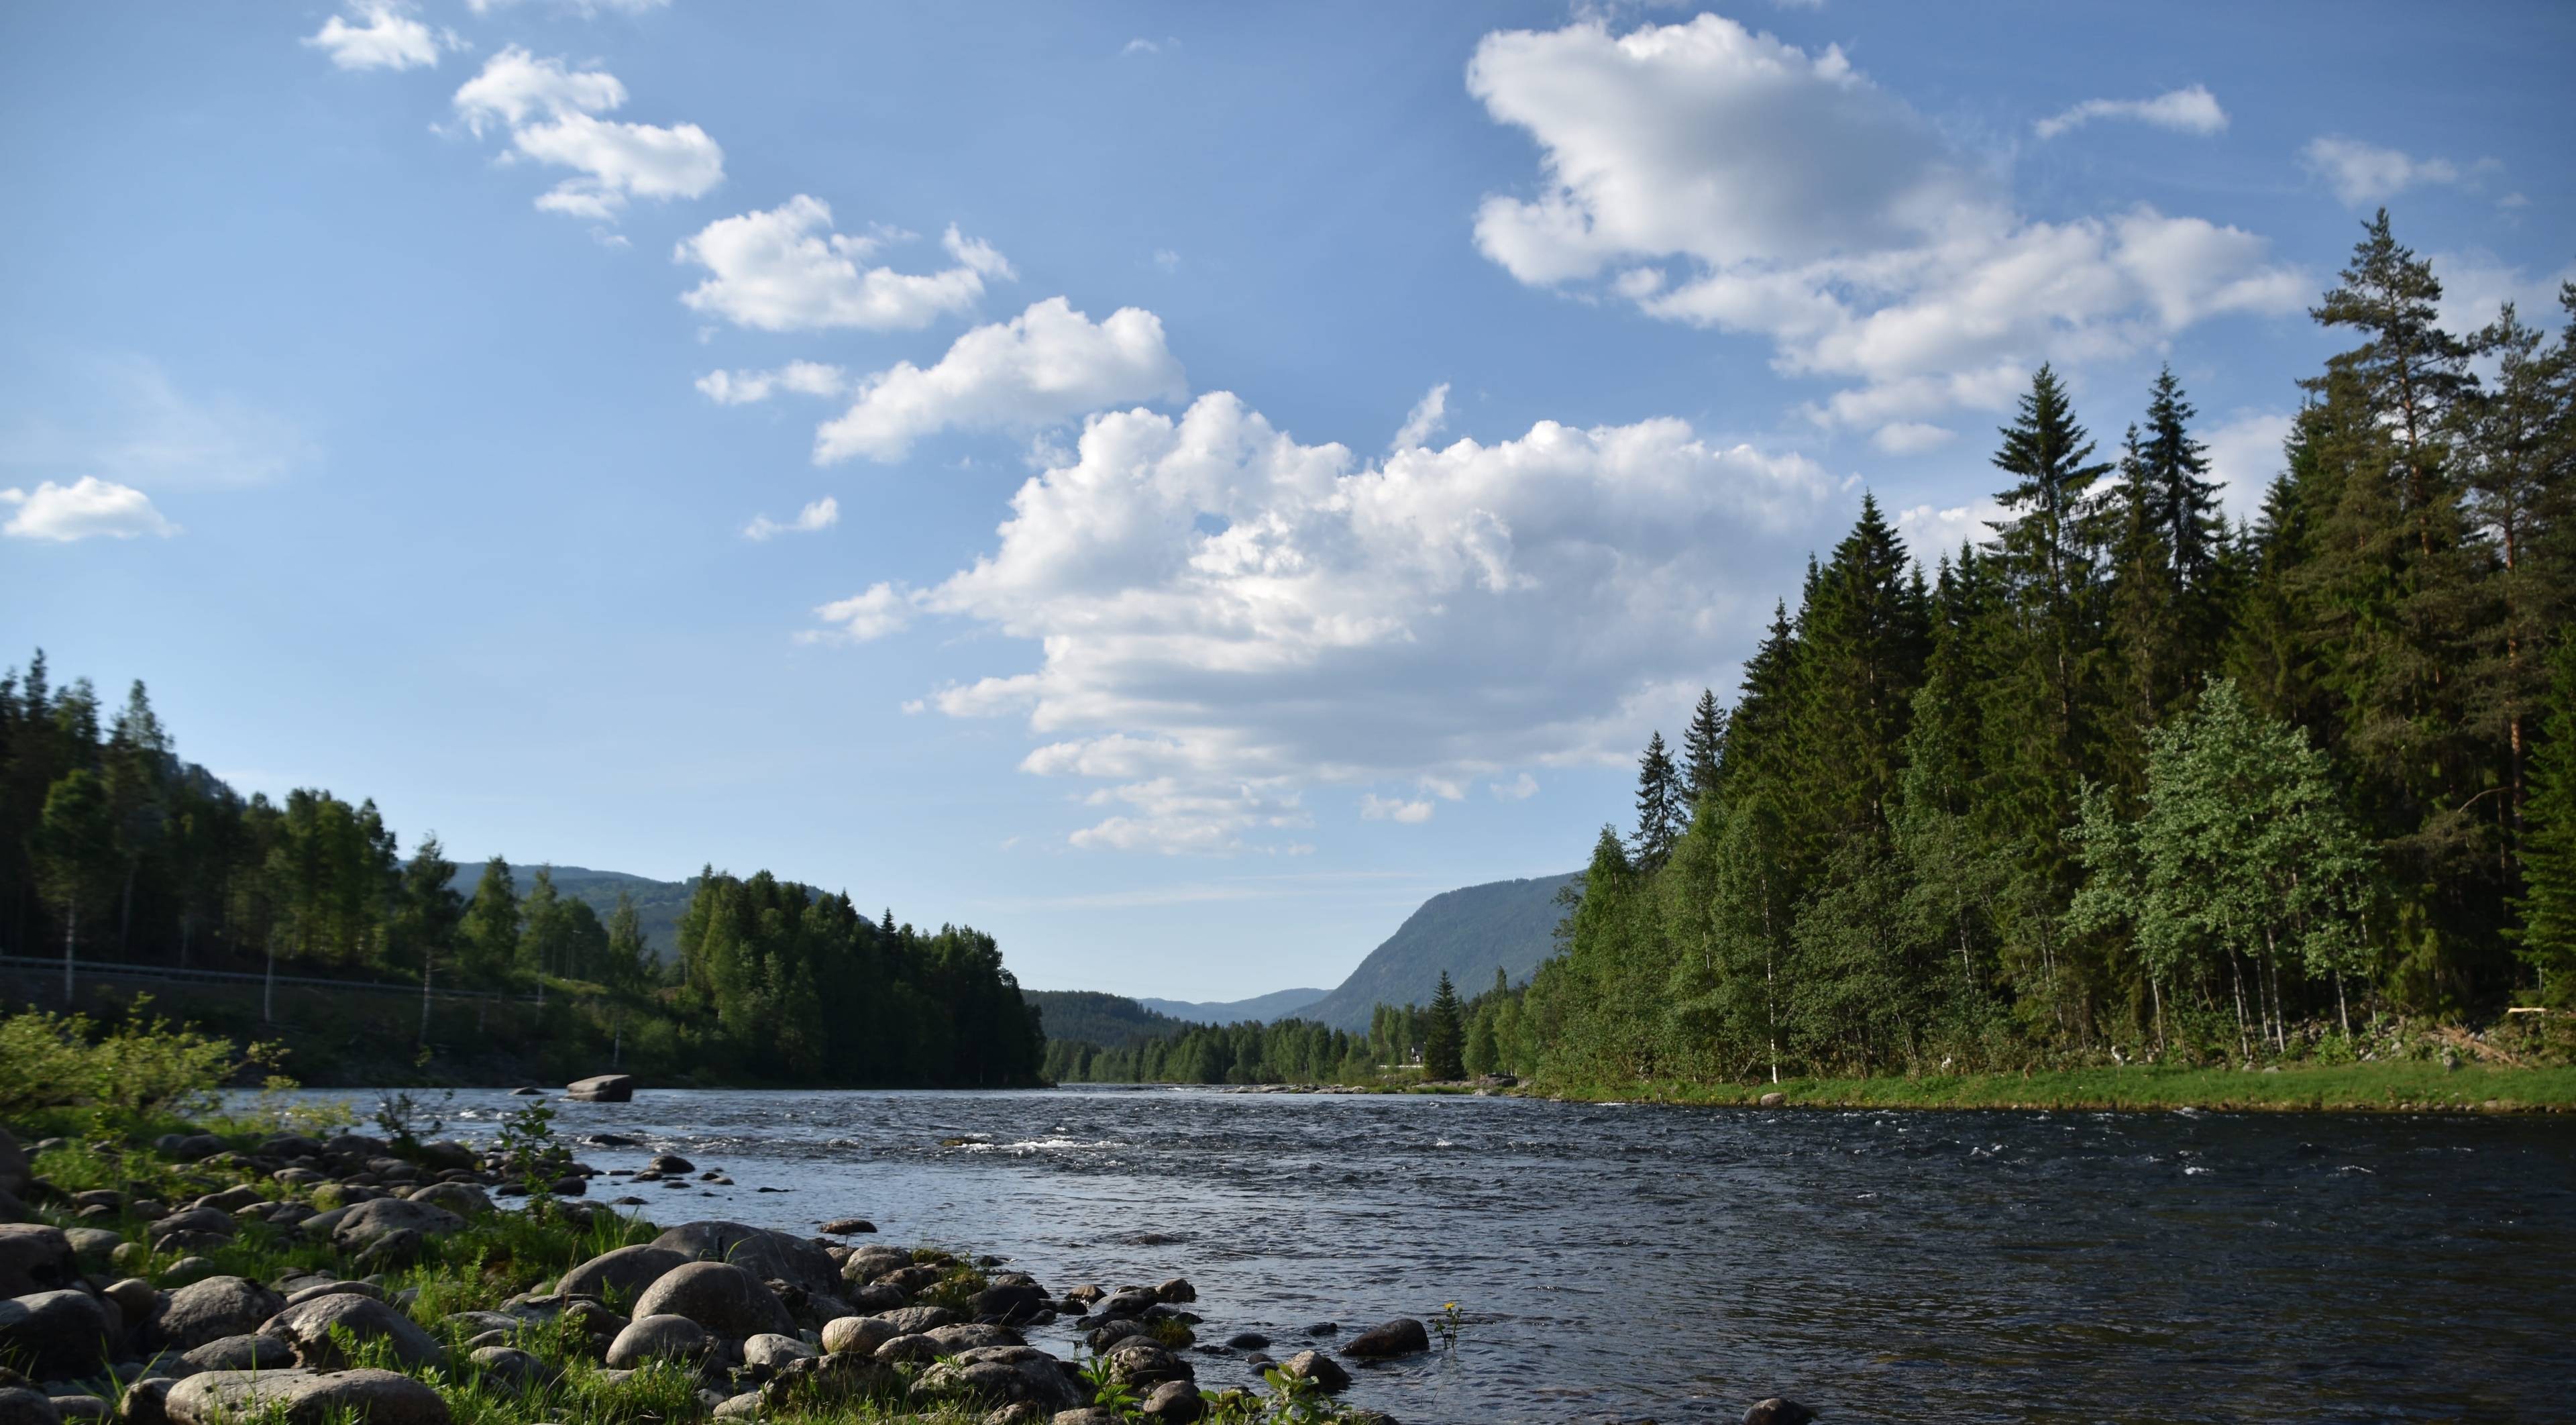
(1170, 485)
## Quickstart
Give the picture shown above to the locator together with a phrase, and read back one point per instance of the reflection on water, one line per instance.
(1627, 1262)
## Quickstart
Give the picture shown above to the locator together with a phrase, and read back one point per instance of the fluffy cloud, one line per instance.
(786, 270)
(1224, 615)
(1725, 179)
(2244, 455)
(804, 378)
(820, 515)
(388, 38)
(552, 114)
(1043, 367)
(1377, 808)
(1933, 531)
(85, 508)
(2362, 174)
(2189, 111)
(2476, 284)
(1911, 437)
(881, 610)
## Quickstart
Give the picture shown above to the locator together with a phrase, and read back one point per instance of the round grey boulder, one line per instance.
(660, 1338)
(1319, 1368)
(305, 1397)
(35, 1257)
(1143, 1363)
(623, 1273)
(512, 1367)
(719, 1296)
(767, 1255)
(1176, 1401)
(381, 1217)
(1401, 1337)
(463, 1199)
(242, 1353)
(869, 1263)
(860, 1335)
(27, 1407)
(773, 1351)
(311, 1326)
(912, 1320)
(212, 1309)
(56, 1335)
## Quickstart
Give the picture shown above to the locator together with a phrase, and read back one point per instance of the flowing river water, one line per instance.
(1640, 1262)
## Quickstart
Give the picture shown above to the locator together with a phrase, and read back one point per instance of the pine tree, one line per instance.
(1661, 810)
(488, 939)
(1863, 636)
(1703, 750)
(1443, 1038)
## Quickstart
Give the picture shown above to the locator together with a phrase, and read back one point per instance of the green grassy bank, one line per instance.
(2366, 1087)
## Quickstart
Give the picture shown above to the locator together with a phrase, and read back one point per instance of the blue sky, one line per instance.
(1172, 485)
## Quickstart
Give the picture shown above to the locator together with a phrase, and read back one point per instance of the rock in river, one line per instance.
(1401, 1337)
(602, 1088)
(1777, 1411)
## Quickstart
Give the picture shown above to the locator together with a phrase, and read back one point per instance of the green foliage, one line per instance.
(529, 1151)
(1444, 1039)
(2548, 905)
(142, 1067)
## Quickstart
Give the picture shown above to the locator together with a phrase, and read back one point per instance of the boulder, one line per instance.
(242, 1353)
(877, 1297)
(82, 1407)
(860, 1335)
(1126, 1303)
(660, 1338)
(1176, 1401)
(14, 1171)
(1115, 1330)
(213, 1309)
(146, 1402)
(1319, 1368)
(231, 1199)
(847, 1226)
(12, 1210)
(914, 1319)
(625, 1272)
(305, 1397)
(26, 1407)
(35, 1257)
(356, 1145)
(602, 1088)
(391, 1252)
(1142, 1362)
(463, 1199)
(135, 1299)
(196, 1147)
(1774, 1099)
(772, 1351)
(511, 1366)
(186, 1270)
(310, 1327)
(719, 1296)
(972, 1336)
(57, 1335)
(1012, 1302)
(759, 1251)
(1247, 1340)
(382, 1217)
(1401, 1337)
(1007, 1375)
(328, 1286)
(1777, 1410)
(869, 1263)
(1177, 1290)
(668, 1164)
(210, 1220)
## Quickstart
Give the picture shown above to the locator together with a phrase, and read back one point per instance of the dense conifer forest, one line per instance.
(115, 849)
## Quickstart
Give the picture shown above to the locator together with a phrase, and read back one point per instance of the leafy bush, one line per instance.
(140, 1067)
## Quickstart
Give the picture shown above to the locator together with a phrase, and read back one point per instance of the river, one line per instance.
(1640, 1262)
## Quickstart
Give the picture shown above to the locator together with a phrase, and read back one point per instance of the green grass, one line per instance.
(2408, 1086)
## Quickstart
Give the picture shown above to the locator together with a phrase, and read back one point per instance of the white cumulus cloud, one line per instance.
(1223, 615)
(2244, 454)
(820, 515)
(804, 378)
(86, 508)
(2362, 174)
(1723, 178)
(1377, 808)
(784, 269)
(552, 113)
(2189, 111)
(387, 35)
(1043, 367)
(880, 610)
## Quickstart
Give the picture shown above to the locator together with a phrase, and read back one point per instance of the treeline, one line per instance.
(2122, 779)
(1404, 1041)
(113, 848)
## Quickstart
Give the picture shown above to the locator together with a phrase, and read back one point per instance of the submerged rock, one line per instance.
(1777, 1410)
(1400, 1337)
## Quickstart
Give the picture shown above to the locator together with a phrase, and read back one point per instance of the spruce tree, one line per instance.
(1864, 635)
(1703, 749)
(1443, 1038)
(1661, 809)
(489, 937)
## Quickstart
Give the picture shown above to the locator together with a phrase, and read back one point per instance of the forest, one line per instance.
(114, 849)
(2124, 781)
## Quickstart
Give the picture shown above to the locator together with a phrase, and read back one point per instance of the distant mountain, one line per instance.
(1469, 932)
(1279, 1004)
(657, 903)
(1103, 1019)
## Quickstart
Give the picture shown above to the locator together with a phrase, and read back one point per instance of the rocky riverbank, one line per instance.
(235, 1276)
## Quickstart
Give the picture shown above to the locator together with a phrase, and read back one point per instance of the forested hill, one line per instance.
(1278, 1004)
(1096, 1018)
(1469, 932)
(658, 904)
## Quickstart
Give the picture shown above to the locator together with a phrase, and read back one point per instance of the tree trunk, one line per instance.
(71, 932)
(2236, 971)
(2343, 1010)
(125, 912)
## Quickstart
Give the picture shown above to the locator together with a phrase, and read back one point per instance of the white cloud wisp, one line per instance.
(820, 515)
(784, 270)
(389, 37)
(2185, 111)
